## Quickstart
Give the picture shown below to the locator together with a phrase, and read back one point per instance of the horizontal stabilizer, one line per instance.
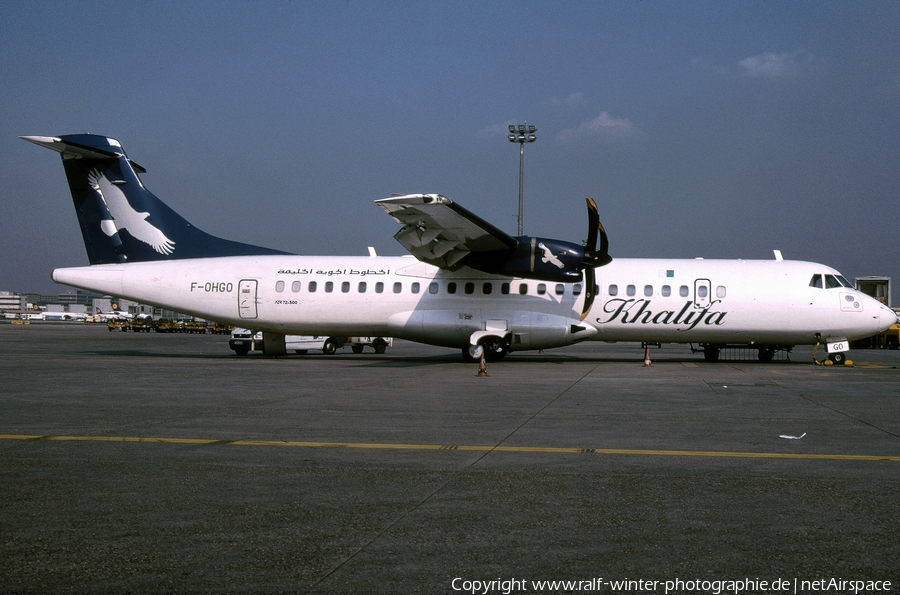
(69, 149)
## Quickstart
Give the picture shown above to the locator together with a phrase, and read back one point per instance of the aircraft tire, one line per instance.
(469, 356)
(838, 357)
(495, 349)
(357, 348)
(496, 356)
(711, 353)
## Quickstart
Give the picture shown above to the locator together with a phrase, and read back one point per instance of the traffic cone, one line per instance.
(647, 363)
(482, 371)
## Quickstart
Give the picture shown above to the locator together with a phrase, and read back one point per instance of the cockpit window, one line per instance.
(832, 281)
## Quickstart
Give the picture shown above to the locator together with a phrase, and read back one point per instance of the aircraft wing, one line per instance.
(438, 231)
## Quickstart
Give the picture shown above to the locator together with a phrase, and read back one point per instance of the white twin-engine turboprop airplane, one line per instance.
(470, 285)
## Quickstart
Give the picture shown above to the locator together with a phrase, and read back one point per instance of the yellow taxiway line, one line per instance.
(462, 447)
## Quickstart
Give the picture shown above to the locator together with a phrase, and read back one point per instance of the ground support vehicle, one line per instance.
(117, 325)
(379, 344)
(243, 341)
(141, 325)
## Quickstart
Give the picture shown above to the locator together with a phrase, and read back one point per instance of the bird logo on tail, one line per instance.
(125, 217)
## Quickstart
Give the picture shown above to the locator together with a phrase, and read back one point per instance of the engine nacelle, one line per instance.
(533, 258)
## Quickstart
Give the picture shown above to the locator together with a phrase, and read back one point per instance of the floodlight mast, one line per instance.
(521, 133)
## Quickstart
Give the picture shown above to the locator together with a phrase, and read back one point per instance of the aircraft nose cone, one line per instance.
(886, 317)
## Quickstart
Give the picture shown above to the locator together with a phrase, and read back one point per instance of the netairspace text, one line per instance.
(713, 587)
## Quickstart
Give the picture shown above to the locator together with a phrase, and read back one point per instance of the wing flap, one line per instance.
(438, 231)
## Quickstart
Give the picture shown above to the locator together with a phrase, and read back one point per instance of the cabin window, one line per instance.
(487, 288)
(469, 288)
(576, 289)
(542, 288)
(398, 287)
(630, 291)
(816, 281)
(362, 287)
(560, 289)
(379, 287)
(295, 287)
(666, 290)
(648, 291)
(415, 287)
(279, 287)
(433, 287)
(683, 291)
(613, 290)
(451, 287)
(504, 288)
(523, 288)
(702, 291)
(345, 287)
(720, 291)
(311, 286)
(329, 287)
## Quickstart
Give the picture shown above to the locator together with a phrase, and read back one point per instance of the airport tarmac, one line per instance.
(157, 463)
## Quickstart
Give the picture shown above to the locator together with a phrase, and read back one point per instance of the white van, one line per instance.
(243, 341)
(301, 344)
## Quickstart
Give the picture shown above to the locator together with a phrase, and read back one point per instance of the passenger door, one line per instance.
(247, 298)
(702, 289)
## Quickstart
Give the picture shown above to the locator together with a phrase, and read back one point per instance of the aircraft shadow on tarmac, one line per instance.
(452, 357)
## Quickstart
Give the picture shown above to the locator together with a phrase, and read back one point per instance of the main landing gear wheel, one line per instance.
(711, 353)
(495, 349)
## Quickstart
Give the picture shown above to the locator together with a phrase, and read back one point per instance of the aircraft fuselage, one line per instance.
(652, 300)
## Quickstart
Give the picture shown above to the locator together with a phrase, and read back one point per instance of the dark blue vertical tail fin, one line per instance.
(122, 221)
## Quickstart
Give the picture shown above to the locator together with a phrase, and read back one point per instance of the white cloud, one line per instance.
(603, 126)
(772, 65)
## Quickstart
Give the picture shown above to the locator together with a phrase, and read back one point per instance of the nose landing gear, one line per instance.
(836, 358)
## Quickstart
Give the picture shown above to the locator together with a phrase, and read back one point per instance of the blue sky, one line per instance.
(713, 129)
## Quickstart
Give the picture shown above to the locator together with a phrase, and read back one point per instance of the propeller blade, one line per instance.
(593, 225)
(590, 283)
(594, 257)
